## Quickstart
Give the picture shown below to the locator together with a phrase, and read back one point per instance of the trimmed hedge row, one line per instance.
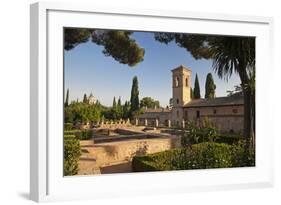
(71, 155)
(200, 137)
(228, 139)
(155, 162)
(198, 156)
(80, 134)
(68, 126)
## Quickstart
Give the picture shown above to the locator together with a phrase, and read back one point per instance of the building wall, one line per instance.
(226, 118)
(151, 117)
(177, 116)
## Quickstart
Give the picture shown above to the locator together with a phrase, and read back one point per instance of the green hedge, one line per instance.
(156, 162)
(206, 132)
(72, 154)
(80, 134)
(198, 156)
(68, 126)
(228, 138)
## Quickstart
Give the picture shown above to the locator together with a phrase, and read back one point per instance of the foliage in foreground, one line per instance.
(206, 132)
(71, 155)
(198, 156)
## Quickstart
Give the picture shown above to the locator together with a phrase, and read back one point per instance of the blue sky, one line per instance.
(87, 70)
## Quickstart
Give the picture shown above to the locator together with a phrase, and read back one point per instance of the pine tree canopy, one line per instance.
(117, 44)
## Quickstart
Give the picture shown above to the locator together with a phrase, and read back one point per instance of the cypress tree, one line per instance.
(125, 110)
(66, 98)
(191, 93)
(114, 103)
(135, 96)
(85, 99)
(119, 103)
(119, 108)
(196, 91)
(210, 87)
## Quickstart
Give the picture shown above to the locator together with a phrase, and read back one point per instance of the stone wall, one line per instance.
(226, 118)
(106, 153)
(151, 117)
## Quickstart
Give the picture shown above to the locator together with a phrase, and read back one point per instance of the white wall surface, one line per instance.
(14, 102)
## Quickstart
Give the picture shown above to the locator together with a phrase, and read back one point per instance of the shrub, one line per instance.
(228, 138)
(72, 154)
(80, 134)
(155, 162)
(198, 156)
(238, 152)
(205, 155)
(68, 126)
(206, 132)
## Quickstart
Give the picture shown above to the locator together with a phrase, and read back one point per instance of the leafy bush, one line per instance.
(80, 134)
(238, 151)
(205, 155)
(156, 162)
(228, 138)
(68, 126)
(198, 156)
(72, 154)
(206, 132)
(82, 112)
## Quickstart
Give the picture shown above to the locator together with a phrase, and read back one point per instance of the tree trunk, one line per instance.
(249, 111)
(248, 117)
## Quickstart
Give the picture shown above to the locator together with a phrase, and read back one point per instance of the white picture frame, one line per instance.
(46, 179)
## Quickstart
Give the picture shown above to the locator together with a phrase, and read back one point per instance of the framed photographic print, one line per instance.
(127, 102)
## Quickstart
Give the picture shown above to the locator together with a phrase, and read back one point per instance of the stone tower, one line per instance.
(181, 86)
(181, 92)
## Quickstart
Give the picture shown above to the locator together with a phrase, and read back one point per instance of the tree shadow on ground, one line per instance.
(117, 168)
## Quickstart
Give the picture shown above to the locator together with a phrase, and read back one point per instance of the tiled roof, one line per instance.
(157, 110)
(182, 67)
(219, 101)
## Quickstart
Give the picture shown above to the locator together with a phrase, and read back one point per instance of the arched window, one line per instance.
(186, 82)
(176, 81)
(178, 101)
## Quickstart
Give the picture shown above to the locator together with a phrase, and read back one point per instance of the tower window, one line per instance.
(215, 111)
(186, 82)
(177, 82)
(198, 114)
(178, 101)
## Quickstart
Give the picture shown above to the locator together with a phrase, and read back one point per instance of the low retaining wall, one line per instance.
(104, 154)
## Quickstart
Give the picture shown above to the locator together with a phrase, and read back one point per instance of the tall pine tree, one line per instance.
(126, 110)
(196, 90)
(119, 103)
(66, 98)
(135, 104)
(119, 109)
(210, 87)
(85, 99)
(114, 103)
